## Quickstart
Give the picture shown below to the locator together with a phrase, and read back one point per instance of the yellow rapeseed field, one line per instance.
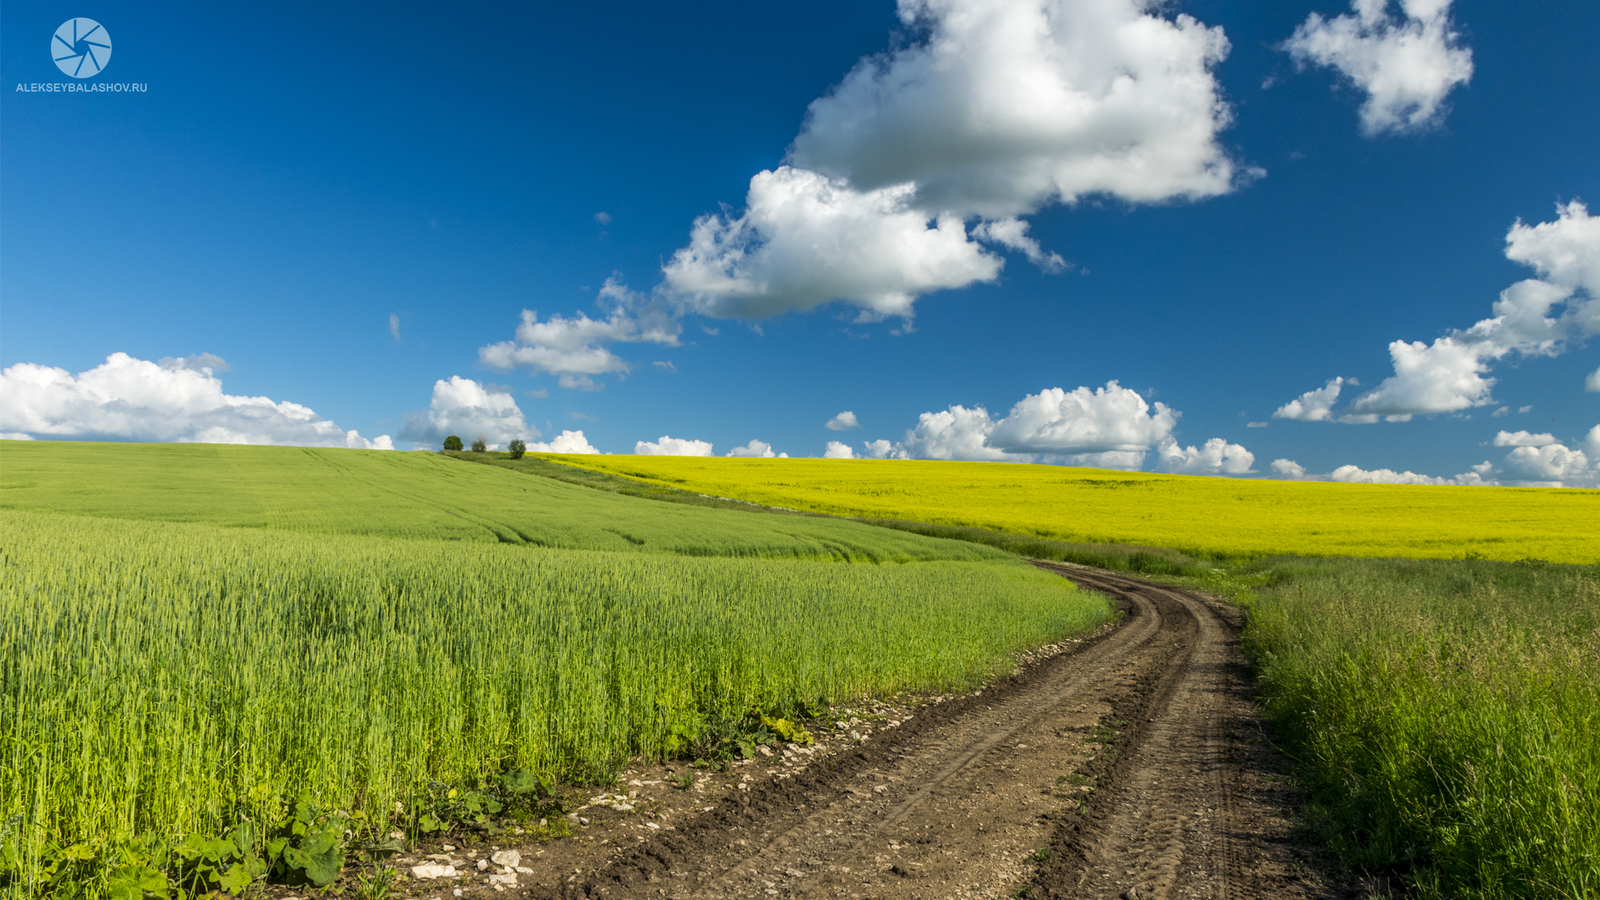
(1211, 516)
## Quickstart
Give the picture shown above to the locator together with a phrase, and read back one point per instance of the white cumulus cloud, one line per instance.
(1111, 419)
(1445, 376)
(1108, 427)
(1312, 406)
(574, 348)
(1555, 465)
(838, 450)
(955, 433)
(754, 448)
(1012, 104)
(1565, 253)
(1535, 317)
(1541, 459)
(176, 399)
(882, 449)
(1406, 64)
(1592, 383)
(1523, 439)
(1287, 468)
(842, 422)
(671, 446)
(468, 409)
(1357, 475)
(565, 442)
(805, 239)
(1215, 457)
(1005, 106)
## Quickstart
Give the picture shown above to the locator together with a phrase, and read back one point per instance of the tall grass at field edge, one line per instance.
(1445, 717)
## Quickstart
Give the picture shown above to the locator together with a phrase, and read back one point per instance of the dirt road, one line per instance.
(1130, 767)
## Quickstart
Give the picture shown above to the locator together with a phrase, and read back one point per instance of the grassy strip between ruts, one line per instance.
(1442, 712)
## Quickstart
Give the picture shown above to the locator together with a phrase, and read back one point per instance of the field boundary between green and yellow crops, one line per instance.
(1440, 712)
(1121, 557)
(1202, 517)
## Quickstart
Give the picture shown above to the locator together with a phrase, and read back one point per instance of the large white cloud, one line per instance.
(1565, 252)
(574, 348)
(1406, 64)
(1215, 457)
(805, 239)
(468, 409)
(1542, 459)
(671, 446)
(1445, 376)
(955, 433)
(1555, 465)
(176, 399)
(1534, 317)
(1004, 107)
(1107, 427)
(1110, 419)
(1012, 104)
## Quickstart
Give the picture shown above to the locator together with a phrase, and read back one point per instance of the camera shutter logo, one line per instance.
(81, 48)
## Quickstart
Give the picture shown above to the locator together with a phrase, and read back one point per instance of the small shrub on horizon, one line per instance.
(518, 448)
(453, 443)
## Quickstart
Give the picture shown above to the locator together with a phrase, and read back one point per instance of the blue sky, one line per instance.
(350, 208)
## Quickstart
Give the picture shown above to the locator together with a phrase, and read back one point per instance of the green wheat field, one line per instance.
(196, 636)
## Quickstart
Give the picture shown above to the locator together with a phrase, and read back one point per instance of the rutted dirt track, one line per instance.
(1132, 767)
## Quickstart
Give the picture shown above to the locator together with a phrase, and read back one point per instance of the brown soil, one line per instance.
(1127, 765)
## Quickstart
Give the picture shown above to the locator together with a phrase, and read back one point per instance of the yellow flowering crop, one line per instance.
(1217, 516)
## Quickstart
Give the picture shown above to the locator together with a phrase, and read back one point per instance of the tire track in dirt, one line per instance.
(1124, 769)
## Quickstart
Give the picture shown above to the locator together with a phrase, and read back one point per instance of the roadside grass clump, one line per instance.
(1445, 716)
(168, 682)
(1221, 518)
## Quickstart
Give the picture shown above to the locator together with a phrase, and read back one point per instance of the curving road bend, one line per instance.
(1133, 767)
